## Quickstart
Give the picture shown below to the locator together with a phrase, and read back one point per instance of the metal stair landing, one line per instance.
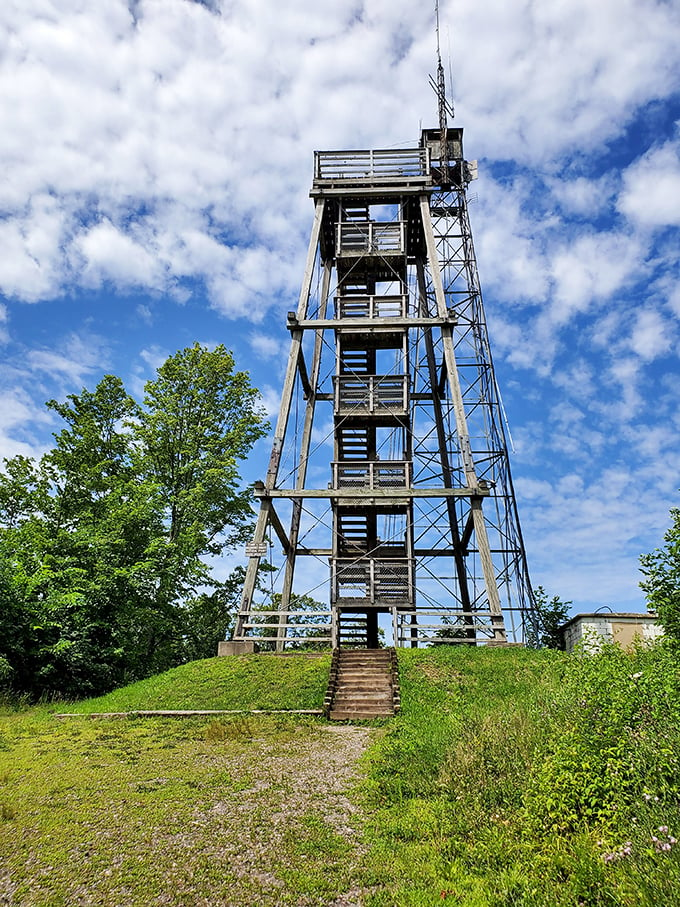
(363, 685)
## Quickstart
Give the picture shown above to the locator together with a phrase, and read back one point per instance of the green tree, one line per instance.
(103, 543)
(83, 543)
(200, 418)
(209, 616)
(307, 625)
(549, 617)
(661, 569)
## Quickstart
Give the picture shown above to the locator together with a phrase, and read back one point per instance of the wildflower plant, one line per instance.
(618, 739)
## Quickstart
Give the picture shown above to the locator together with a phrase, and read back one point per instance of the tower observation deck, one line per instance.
(388, 506)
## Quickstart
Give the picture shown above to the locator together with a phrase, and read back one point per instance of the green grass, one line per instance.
(147, 812)
(511, 778)
(528, 778)
(248, 682)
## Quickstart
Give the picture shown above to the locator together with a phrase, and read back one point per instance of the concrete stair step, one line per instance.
(362, 686)
(364, 655)
(360, 714)
(365, 687)
(355, 677)
(380, 667)
(363, 660)
(377, 667)
(365, 665)
(373, 654)
(353, 696)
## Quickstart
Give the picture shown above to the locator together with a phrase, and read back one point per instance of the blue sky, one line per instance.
(155, 163)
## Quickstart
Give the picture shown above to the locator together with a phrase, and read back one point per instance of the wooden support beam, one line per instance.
(366, 325)
(304, 377)
(305, 442)
(467, 532)
(277, 526)
(441, 384)
(443, 441)
(370, 495)
(250, 582)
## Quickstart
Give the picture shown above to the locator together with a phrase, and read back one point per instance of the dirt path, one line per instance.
(295, 809)
(148, 812)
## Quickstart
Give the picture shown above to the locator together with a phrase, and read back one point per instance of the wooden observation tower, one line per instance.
(388, 506)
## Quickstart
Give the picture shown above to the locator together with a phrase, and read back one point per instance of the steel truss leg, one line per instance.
(458, 555)
(462, 429)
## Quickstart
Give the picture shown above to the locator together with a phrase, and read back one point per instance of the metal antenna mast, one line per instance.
(411, 529)
(445, 109)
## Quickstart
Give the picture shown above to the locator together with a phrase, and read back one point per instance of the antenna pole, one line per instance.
(443, 106)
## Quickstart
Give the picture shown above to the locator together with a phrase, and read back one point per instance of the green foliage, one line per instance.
(549, 617)
(208, 616)
(103, 543)
(620, 738)
(661, 569)
(200, 417)
(542, 779)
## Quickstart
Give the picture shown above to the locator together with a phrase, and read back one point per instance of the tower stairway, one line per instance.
(363, 685)
(353, 442)
(353, 531)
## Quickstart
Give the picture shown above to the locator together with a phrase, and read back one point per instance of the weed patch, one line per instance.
(528, 778)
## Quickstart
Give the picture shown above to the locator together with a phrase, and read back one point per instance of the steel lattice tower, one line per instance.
(389, 490)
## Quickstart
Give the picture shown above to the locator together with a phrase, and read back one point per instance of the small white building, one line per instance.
(609, 627)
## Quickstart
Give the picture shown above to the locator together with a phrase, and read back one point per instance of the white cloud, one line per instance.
(19, 421)
(592, 268)
(265, 346)
(145, 313)
(554, 76)
(511, 243)
(271, 400)
(651, 188)
(158, 147)
(674, 299)
(583, 196)
(110, 254)
(4, 318)
(652, 335)
(77, 357)
(154, 357)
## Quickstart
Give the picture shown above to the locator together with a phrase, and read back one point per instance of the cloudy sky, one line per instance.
(155, 163)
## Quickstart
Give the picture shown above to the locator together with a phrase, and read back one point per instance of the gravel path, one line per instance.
(308, 779)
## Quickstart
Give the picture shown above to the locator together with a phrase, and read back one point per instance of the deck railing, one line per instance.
(372, 581)
(377, 166)
(362, 237)
(372, 474)
(371, 394)
(371, 306)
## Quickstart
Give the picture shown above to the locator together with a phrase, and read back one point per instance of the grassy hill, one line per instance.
(511, 777)
(249, 682)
